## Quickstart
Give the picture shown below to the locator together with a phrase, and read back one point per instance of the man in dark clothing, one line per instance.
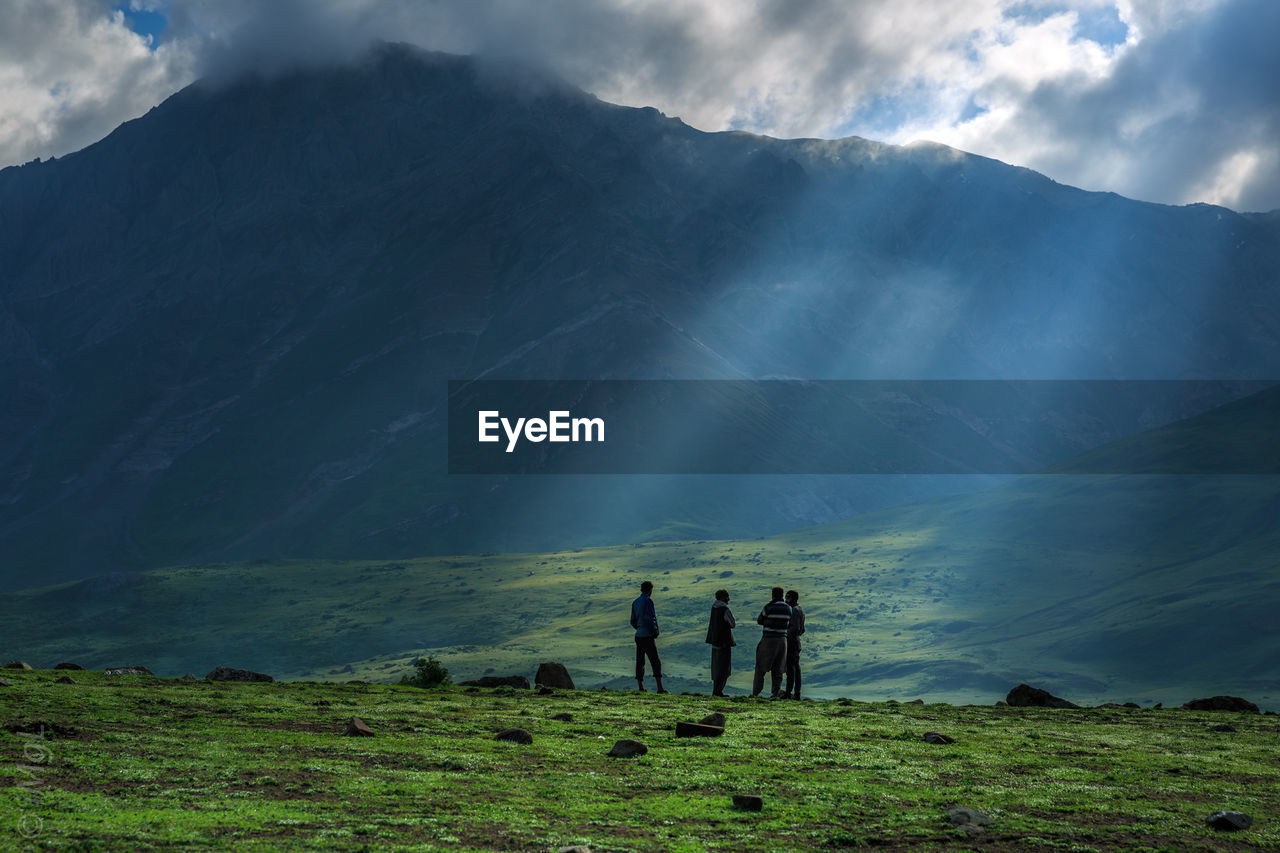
(771, 653)
(793, 646)
(645, 620)
(720, 637)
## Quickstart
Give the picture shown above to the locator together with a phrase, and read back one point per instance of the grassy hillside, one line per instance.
(147, 764)
(1098, 588)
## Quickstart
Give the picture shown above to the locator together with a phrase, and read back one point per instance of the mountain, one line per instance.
(226, 329)
(1098, 587)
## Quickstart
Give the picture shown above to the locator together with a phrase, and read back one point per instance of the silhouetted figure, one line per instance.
(792, 690)
(645, 620)
(720, 637)
(771, 652)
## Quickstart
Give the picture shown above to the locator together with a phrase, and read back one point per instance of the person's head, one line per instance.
(793, 597)
(722, 595)
(777, 593)
(646, 587)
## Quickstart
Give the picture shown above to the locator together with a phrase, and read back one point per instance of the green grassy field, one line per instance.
(149, 764)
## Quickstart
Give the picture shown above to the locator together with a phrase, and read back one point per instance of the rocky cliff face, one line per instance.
(226, 328)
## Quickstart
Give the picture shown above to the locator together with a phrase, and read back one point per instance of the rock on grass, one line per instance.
(514, 736)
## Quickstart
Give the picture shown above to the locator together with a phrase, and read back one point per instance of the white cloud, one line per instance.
(71, 71)
(1165, 100)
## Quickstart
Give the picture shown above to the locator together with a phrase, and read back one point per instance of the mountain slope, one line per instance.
(227, 327)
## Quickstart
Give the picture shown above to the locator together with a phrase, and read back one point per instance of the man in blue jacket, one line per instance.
(645, 620)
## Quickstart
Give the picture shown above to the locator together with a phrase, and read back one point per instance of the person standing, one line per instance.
(645, 620)
(792, 690)
(771, 652)
(720, 637)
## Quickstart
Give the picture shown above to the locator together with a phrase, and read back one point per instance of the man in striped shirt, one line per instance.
(771, 652)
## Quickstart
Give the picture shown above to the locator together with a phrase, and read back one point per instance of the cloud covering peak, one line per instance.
(1164, 100)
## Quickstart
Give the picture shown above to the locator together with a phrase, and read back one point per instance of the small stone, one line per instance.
(1221, 703)
(514, 736)
(627, 748)
(698, 730)
(938, 737)
(916, 702)
(843, 701)
(748, 802)
(552, 674)
(1026, 696)
(574, 848)
(189, 677)
(1229, 821)
(66, 679)
(965, 816)
(356, 727)
(544, 690)
(65, 665)
(1002, 704)
(716, 719)
(1222, 727)
(227, 673)
(127, 670)
(4, 682)
(17, 664)
(563, 716)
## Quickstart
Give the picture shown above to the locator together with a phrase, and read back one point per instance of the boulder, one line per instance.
(4, 682)
(518, 681)
(698, 730)
(1221, 703)
(716, 719)
(514, 736)
(127, 670)
(65, 665)
(748, 802)
(356, 728)
(574, 848)
(1026, 696)
(66, 679)
(1229, 821)
(226, 673)
(553, 675)
(17, 664)
(965, 816)
(627, 748)
(189, 677)
(938, 737)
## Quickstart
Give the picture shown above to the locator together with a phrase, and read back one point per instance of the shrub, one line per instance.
(428, 672)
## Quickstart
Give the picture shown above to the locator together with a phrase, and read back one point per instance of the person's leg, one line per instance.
(762, 665)
(792, 689)
(640, 663)
(779, 664)
(719, 669)
(795, 694)
(656, 663)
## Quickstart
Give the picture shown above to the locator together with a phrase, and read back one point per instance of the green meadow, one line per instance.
(144, 763)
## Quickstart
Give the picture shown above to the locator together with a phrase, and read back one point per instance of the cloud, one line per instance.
(71, 71)
(1164, 100)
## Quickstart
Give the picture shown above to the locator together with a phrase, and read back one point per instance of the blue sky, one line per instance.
(1174, 101)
